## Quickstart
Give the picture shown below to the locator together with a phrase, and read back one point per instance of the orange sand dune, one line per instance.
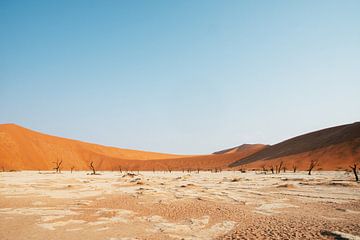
(24, 149)
(21, 148)
(241, 148)
(334, 148)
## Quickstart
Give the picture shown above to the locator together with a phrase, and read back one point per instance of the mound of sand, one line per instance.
(24, 149)
(241, 148)
(21, 148)
(334, 148)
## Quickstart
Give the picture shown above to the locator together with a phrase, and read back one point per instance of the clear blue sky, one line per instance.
(179, 76)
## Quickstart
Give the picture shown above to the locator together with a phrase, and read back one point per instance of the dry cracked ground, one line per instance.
(177, 205)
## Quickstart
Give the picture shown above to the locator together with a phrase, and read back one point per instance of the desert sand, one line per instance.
(179, 205)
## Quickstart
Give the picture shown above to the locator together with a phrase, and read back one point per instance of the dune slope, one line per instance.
(24, 149)
(21, 148)
(334, 148)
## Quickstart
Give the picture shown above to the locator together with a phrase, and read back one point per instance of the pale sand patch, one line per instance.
(272, 208)
(46, 213)
(53, 225)
(120, 216)
(191, 228)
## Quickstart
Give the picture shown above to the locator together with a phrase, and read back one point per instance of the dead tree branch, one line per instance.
(58, 166)
(92, 168)
(313, 163)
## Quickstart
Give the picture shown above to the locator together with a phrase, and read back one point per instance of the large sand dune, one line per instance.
(24, 149)
(334, 148)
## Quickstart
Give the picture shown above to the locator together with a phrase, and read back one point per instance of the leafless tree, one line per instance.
(354, 169)
(284, 168)
(71, 169)
(92, 168)
(279, 167)
(198, 170)
(58, 166)
(272, 169)
(294, 168)
(313, 163)
(120, 169)
(264, 168)
(169, 169)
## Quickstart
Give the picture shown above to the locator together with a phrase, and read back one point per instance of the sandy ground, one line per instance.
(177, 205)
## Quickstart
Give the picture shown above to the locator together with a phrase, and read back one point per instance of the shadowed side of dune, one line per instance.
(333, 143)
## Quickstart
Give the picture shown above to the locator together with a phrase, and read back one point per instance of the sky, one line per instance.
(187, 77)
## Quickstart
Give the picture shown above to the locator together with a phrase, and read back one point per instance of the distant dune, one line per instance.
(24, 149)
(241, 148)
(334, 148)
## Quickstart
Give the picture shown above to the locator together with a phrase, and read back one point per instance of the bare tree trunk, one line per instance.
(313, 163)
(354, 169)
(280, 166)
(58, 165)
(93, 168)
(72, 168)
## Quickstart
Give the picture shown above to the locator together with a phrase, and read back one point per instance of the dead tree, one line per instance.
(313, 163)
(294, 168)
(58, 165)
(198, 170)
(272, 169)
(120, 169)
(71, 169)
(354, 169)
(280, 166)
(284, 168)
(92, 168)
